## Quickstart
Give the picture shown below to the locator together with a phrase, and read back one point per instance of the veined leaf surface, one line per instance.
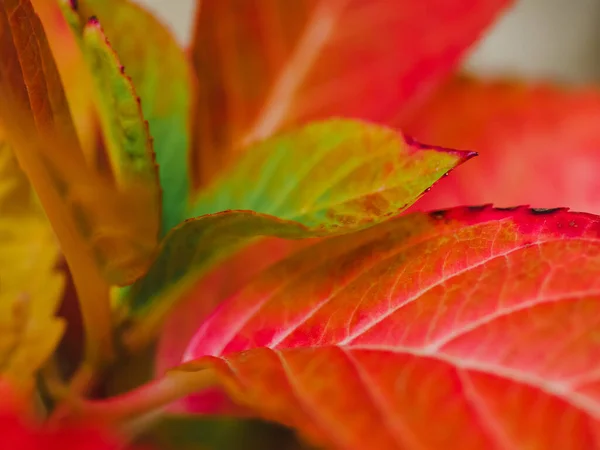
(163, 79)
(538, 143)
(473, 326)
(199, 301)
(326, 178)
(329, 174)
(263, 66)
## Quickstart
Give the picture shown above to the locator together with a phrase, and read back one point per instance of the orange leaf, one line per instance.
(472, 325)
(266, 65)
(538, 144)
(70, 64)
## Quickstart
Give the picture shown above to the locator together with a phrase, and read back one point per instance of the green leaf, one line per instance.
(327, 178)
(163, 79)
(126, 134)
(329, 174)
(125, 153)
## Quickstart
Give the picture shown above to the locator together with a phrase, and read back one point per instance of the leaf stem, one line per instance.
(67, 396)
(146, 399)
(92, 289)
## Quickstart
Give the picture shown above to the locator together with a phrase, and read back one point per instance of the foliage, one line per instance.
(247, 233)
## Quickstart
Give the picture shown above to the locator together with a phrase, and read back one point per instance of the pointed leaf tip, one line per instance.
(327, 178)
(538, 143)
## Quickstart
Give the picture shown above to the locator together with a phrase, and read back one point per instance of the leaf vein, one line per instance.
(436, 283)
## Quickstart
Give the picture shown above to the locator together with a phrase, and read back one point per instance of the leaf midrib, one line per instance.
(309, 46)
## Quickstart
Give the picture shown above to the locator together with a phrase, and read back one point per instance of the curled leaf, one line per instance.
(163, 79)
(128, 141)
(485, 321)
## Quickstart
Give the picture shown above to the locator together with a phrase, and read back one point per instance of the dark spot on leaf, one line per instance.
(508, 208)
(439, 214)
(122, 69)
(93, 21)
(544, 211)
(572, 224)
(74, 5)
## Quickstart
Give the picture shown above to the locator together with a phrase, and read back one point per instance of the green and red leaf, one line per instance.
(327, 178)
(264, 66)
(538, 143)
(472, 325)
(329, 174)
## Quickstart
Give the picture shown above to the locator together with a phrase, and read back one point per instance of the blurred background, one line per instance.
(550, 39)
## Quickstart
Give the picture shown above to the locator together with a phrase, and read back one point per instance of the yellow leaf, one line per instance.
(30, 285)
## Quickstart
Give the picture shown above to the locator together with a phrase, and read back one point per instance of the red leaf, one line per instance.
(20, 432)
(538, 144)
(200, 301)
(473, 325)
(267, 65)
